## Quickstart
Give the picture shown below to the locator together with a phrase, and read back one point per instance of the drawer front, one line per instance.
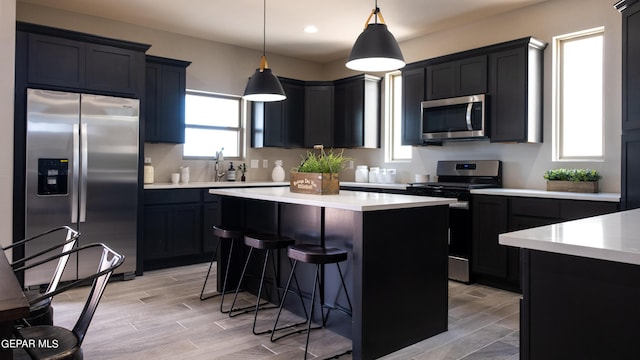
(172, 196)
(578, 209)
(547, 208)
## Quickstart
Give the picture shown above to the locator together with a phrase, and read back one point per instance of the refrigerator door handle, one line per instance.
(83, 175)
(76, 171)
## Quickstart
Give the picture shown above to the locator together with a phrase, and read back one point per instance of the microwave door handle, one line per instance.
(468, 116)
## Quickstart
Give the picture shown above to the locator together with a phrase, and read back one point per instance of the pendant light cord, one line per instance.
(264, 27)
(374, 13)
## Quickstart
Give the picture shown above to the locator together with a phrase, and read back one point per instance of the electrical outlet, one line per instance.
(265, 163)
(254, 164)
(350, 164)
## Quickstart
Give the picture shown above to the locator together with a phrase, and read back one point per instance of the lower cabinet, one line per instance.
(177, 227)
(499, 265)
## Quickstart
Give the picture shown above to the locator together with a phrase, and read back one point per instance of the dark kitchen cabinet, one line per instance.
(165, 85)
(499, 265)
(356, 118)
(490, 216)
(457, 78)
(413, 93)
(515, 92)
(318, 114)
(630, 187)
(172, 228)
(210, 217)
(280, 123)
(67, 60)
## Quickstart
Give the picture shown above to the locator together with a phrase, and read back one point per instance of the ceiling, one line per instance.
(339, 22)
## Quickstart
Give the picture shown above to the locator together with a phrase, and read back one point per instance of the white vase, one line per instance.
(278, 172)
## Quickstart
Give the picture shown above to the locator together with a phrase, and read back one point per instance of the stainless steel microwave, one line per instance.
(454, 118)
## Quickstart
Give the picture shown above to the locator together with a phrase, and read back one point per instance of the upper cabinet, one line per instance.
(457, 78)
(344, 113)
(357, 112)
(66, 60)
(318, 113)
(280, 123)
(165, 84)
(509, 74)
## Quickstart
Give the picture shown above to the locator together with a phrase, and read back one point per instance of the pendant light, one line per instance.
(264, 84)
(375, 49)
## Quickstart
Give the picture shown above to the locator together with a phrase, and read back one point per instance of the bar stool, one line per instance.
(269, 243)
(234, 235)
(318, 255)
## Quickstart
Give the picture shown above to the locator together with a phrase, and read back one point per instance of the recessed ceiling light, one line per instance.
(310, 29)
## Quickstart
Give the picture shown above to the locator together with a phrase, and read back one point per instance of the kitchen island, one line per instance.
(396, 273)
(581, 288)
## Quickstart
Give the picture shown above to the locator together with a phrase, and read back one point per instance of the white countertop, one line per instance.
(394, 186)
(214, 184)
(611, 197)
(347, 200)
(613, 237)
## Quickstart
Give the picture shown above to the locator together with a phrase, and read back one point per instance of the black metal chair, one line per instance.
(41, 311)
(235, 236)
(320, 256)
(69, 341)
(270, 243)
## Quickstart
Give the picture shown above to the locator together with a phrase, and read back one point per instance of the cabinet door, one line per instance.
(413, 86)
(441, 81)
(471, 76)
(186, 232)
(347, 115)
(508, 95)
(630, 170)
(164, 103)
(56, 61)
(490, 218)
(293, 114)
(111, 69)
(318, 117)
(157, 229)
(211, 217)
(630, 69)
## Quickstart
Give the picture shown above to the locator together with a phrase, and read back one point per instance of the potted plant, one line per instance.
(575, 180)
(318, 173)
(243, 169)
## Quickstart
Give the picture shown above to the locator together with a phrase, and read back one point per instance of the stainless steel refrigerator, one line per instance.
(81, 171)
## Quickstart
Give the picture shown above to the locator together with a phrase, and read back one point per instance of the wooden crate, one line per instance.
(314, 183)
(572, 186)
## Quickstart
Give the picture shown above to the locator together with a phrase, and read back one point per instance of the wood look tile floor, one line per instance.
(160, 316)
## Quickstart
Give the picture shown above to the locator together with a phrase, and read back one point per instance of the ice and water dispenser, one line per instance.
(53, 176)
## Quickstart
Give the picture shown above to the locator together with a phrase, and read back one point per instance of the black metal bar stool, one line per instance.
(318, 255)
(269, 243)
(235, 235)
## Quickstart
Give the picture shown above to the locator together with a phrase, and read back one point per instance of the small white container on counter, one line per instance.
(362, 173)
(373, 174)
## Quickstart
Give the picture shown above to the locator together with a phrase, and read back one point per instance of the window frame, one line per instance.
(557, 96)
(391, 119)
(242, 111)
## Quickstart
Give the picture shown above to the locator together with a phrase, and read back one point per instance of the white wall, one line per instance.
(7, 62)
(222, 68)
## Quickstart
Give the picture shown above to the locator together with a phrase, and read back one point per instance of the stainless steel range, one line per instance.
(456, 179)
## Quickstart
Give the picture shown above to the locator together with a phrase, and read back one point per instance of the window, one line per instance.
(577, 95)
(395, 150)
(212, 122)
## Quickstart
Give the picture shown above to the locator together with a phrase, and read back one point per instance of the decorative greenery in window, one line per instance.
(572, 175)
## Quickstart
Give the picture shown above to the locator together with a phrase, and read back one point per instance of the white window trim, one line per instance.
(557, 101)
(388, 122)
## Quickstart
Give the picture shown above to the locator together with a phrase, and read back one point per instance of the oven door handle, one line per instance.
(463, 205)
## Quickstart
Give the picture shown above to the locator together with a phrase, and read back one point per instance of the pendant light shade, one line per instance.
(264, 84)
(376, 49)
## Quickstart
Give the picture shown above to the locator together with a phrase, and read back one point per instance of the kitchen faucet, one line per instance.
(219, 172)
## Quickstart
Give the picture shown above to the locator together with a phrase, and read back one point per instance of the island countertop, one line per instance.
(346, 200)
(612, 237)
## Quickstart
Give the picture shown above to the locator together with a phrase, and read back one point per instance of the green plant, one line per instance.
(242, 168)
(323, 162)
(572, 175)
